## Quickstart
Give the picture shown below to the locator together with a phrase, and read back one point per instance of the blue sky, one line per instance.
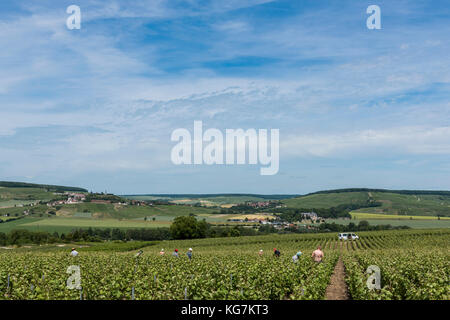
(355, 107)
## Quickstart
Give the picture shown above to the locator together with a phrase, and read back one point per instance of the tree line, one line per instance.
(363, 225)
(10, 184)
(409, 192)
(340, 211)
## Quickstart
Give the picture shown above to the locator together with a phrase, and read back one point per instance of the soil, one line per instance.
(337, 289)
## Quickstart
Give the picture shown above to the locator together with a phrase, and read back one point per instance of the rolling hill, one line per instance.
(414, 207)
(48, 187)
(391, 202)
(20, 193)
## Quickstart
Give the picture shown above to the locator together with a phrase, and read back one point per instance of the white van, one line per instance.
(348, 236)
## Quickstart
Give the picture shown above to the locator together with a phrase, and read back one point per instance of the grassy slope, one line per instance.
(410, 204)
(17, 224)
(392, 203)
(68, 224)
(7, 194)
(14, 184)
(96, 223)
(326, 200)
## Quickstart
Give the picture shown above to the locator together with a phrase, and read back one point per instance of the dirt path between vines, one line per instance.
(337, 289)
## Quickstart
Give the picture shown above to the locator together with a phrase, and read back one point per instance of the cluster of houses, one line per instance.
(310, 215)
(72, 198)
(258, 204)
(140, 203)
(264, 204)
(277, 224)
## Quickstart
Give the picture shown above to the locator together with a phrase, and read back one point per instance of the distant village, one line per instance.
(72, 198)
(75, 198)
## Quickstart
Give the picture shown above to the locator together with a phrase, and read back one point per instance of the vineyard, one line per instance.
(414, 264)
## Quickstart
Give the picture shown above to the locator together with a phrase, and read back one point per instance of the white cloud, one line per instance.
(402, 140)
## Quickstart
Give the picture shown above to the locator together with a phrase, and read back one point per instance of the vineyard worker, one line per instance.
(137, 255)
(74, 252)
(189, 253)
(317, 255)
(296, 256)
(276, 252)
(175, 253)
(260, 252)
(161, 253)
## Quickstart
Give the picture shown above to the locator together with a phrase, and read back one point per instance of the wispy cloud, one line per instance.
(371, 142)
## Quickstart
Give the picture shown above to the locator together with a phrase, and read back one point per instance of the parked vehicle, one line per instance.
(348, 236)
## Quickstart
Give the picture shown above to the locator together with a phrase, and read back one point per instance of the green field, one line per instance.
(94, 223)
(68, 224)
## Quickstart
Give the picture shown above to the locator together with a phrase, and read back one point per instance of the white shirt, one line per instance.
(295, 258)
(74, 253)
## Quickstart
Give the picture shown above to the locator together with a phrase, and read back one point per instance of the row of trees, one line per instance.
(26, 237)
(363, 225)
(10, 184)
(408, 192)
(340, 211)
